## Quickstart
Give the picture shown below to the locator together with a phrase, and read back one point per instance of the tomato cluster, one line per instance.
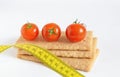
(75, 32)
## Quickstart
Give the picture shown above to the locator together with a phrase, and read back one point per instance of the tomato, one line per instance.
(51, 32)
(76, 32)
(29, 31)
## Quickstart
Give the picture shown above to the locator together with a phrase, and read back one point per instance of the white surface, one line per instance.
(101, 16)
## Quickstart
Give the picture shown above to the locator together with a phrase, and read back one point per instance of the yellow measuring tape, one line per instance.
(47, 58)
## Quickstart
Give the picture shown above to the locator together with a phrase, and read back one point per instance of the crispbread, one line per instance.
(63, 43)
(80, 64)
(77, 54)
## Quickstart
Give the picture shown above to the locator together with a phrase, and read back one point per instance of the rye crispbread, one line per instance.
(80, 55)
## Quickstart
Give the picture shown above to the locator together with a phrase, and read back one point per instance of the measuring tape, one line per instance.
(47, 58)
(4, 47)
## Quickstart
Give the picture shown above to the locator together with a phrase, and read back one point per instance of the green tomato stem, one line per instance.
(51, 31)
(76, 21)
(29, 25)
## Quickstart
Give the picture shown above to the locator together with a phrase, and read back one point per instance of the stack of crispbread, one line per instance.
(80, 55)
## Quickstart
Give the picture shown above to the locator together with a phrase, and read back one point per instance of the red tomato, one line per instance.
(75, 32)
(29, 31)
(51, 32)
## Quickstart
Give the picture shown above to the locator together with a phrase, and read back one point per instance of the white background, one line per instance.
(100, 16)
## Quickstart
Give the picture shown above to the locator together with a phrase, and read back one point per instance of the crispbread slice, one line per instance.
(63, 43)
(75, 54)
(80, 64)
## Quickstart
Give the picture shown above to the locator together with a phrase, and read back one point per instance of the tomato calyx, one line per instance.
(29, 25)
(51, 31)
